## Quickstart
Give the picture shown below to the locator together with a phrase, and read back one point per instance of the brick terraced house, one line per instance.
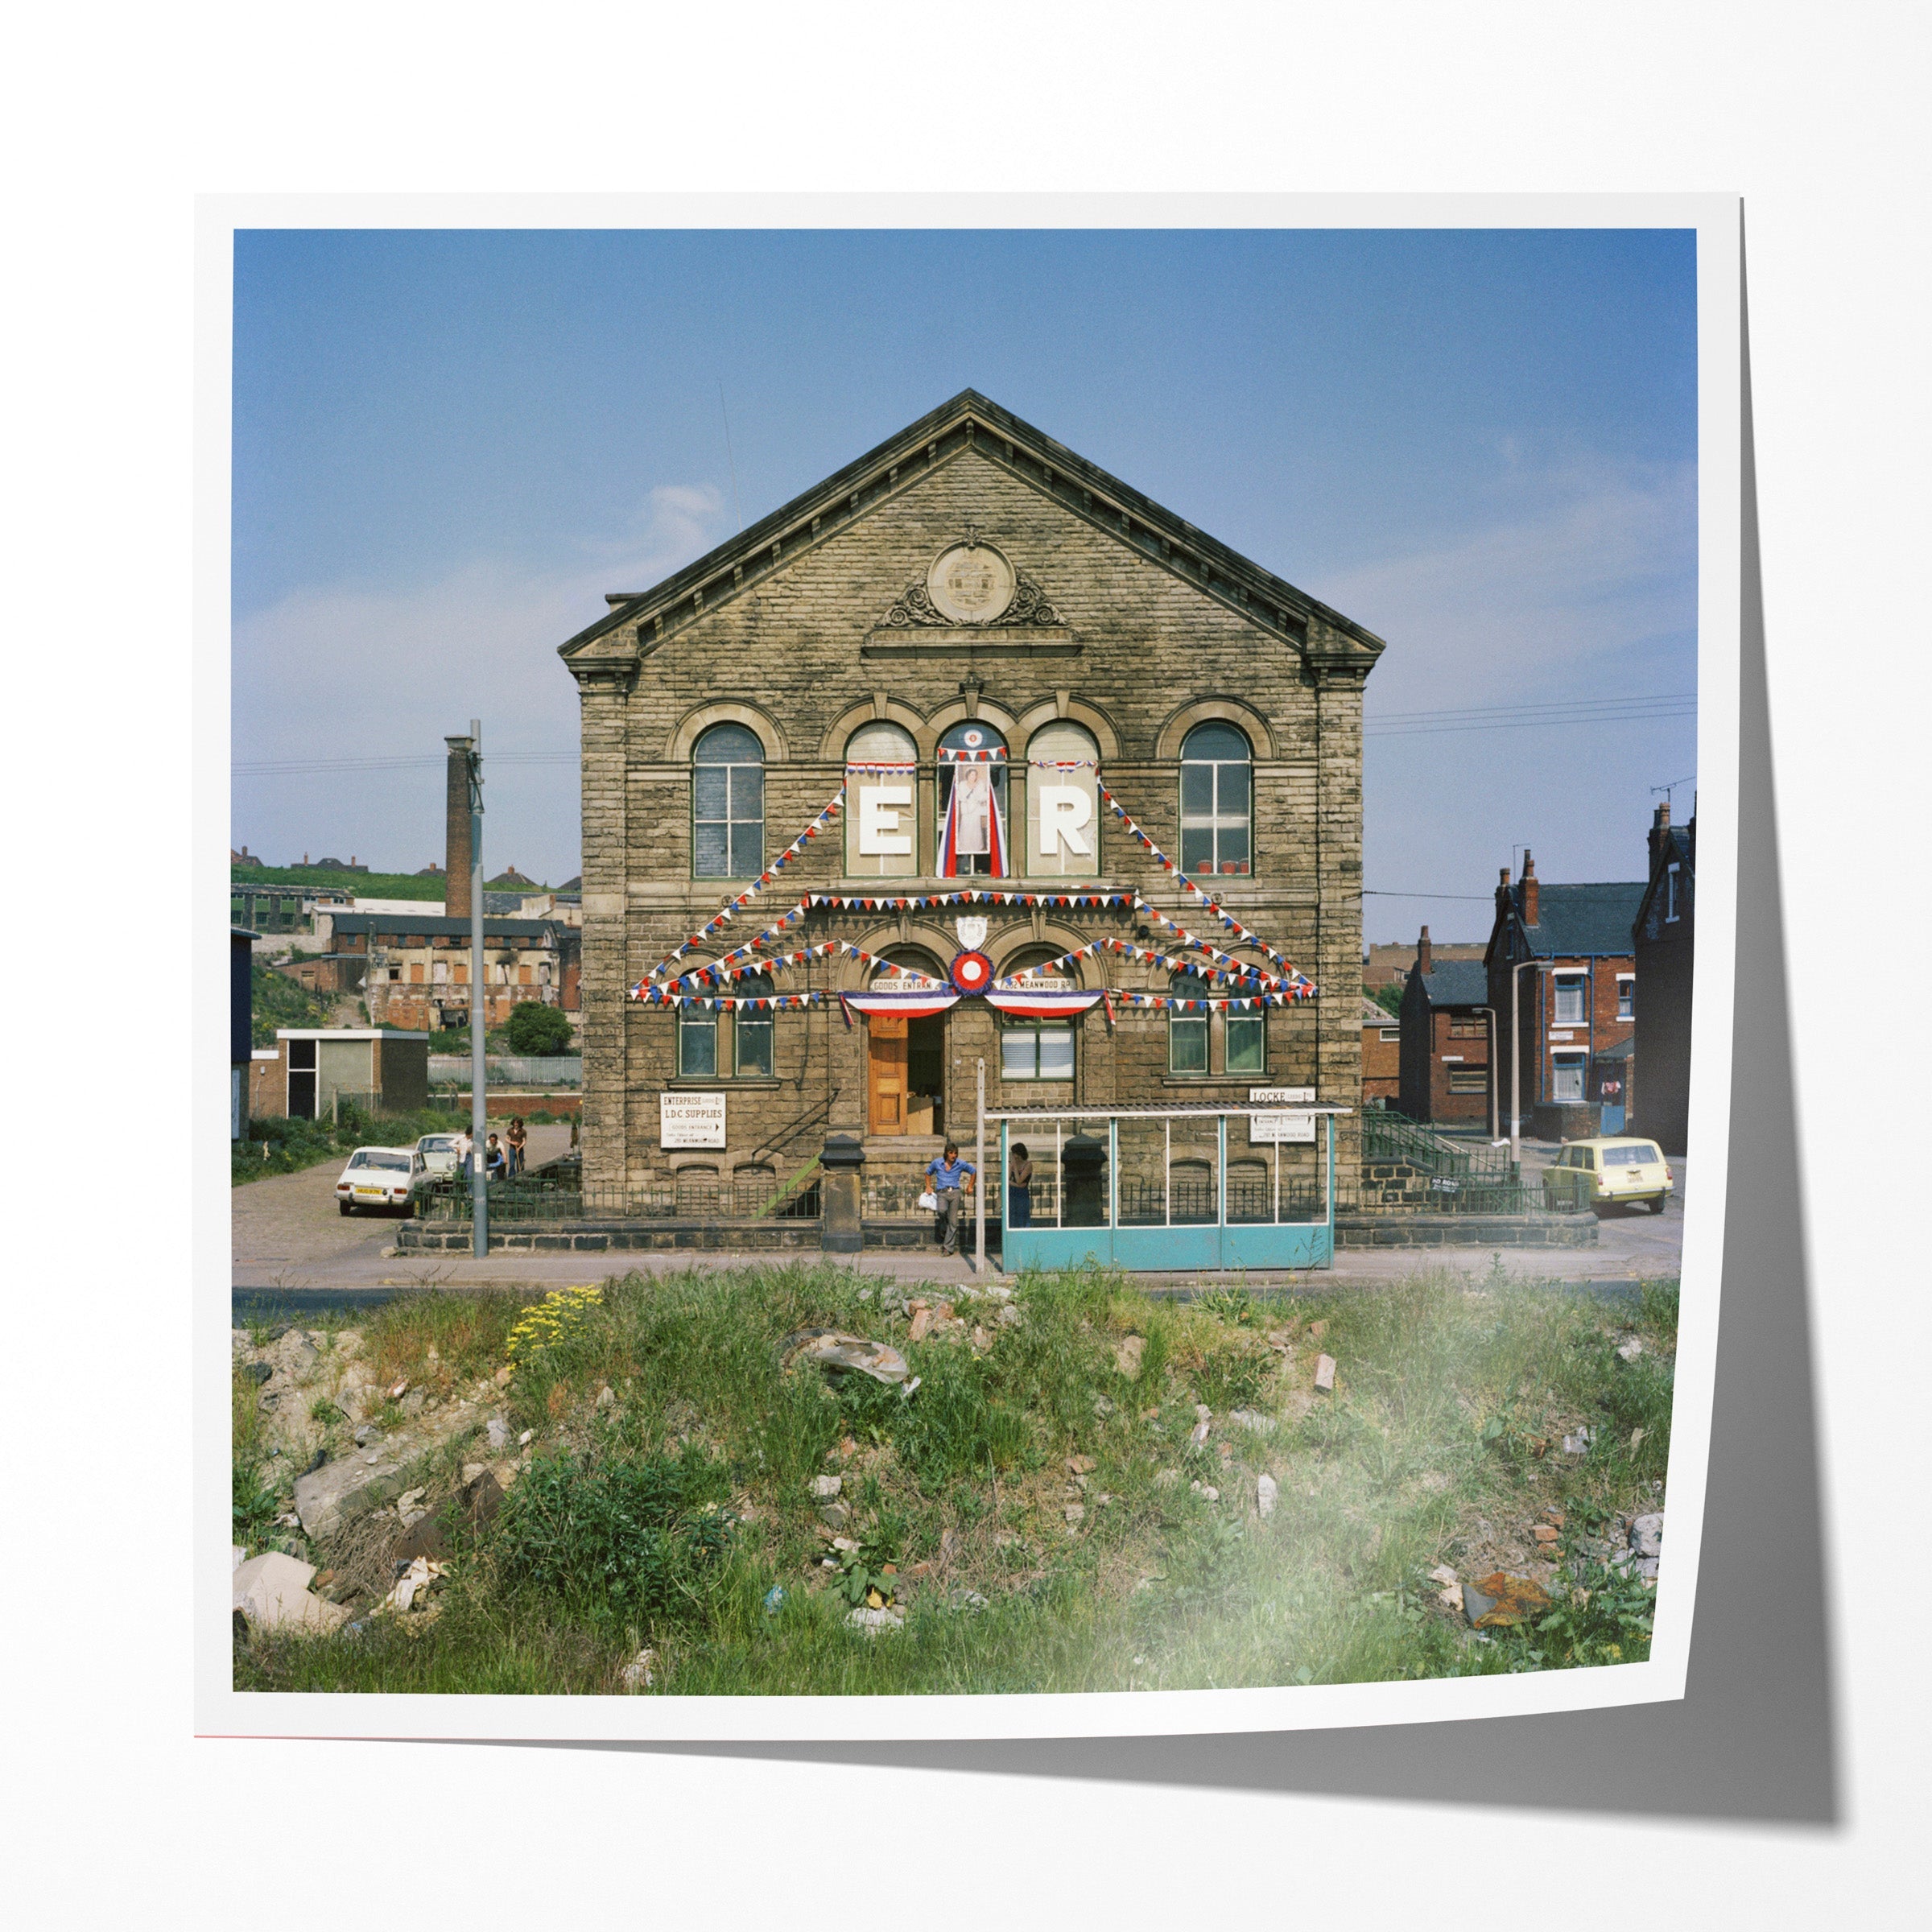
(1446, 1034)
(1570, 947)
(1665, 938)
(1000, 690)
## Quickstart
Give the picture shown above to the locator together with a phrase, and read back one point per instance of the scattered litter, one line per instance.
(1324, 1373)
(774, 1600)
(523, 1440)
(636, 1675)
(1499, 1599)
(1578, 1444)
(872, 1621)
(401, 1389)
(417, 1580)
(1253, 1418)
(830, 1349)
(1267, 1490)
(1647, 1534)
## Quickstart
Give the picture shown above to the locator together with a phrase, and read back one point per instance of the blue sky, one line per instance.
(1480, 445)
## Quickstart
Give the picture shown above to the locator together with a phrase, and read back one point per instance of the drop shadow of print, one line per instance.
(1755, 1737)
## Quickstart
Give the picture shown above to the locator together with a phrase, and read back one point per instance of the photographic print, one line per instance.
(963, 964)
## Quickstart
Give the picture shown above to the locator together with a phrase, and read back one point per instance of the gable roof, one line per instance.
(972, 421)
(1578, 920)
(1679, 849)
(1458, 983)
(1376, 1015)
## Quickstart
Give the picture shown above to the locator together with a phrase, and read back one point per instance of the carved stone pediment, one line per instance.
(973, 585)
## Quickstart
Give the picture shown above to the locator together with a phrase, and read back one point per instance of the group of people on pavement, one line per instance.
(953, 1181)
(502, 1158)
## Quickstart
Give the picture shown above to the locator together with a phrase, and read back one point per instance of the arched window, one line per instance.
(1216, 801)
(881, 795)
(728, 804)
(1063, 800)
(973, 839)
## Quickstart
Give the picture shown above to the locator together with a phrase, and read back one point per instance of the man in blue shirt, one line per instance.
(949, 1174)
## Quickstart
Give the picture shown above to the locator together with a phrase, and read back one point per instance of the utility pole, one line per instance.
(479, 1096)
(1516, 1067)
(979, 1193)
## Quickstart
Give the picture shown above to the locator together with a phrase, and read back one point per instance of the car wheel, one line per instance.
(344, 1207)
(1658, 1205)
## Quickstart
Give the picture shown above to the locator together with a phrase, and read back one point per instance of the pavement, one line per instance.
(293, 1251)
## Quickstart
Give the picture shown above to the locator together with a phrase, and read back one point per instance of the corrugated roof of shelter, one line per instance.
(1458, 983)
(397, 922)
(1573, 921)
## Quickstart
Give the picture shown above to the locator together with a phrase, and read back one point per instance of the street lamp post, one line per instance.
(479, 1098)
(1516, 1067)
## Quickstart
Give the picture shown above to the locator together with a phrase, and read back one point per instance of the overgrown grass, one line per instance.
(670, 1514)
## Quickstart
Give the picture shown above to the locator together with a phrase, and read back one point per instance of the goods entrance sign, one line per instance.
(690, 1120)
(1263, 1127)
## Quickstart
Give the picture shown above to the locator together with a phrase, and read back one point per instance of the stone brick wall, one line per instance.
(800, 651)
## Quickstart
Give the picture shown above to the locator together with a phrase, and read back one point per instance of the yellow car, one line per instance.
(1613, 1168)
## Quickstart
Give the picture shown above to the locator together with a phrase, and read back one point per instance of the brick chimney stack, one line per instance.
(455, 830)
(1660, 832)
(1529, 888)
(1425, 958)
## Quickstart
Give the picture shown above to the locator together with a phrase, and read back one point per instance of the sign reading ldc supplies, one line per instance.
(690, 1120)
(1266, 1127)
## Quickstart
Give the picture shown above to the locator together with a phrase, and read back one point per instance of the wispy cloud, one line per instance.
(1561, 599)
(333, 669)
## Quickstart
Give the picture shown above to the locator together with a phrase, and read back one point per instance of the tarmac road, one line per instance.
(293, 1251)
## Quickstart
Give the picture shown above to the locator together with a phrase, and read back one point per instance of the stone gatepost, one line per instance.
(842, 1196)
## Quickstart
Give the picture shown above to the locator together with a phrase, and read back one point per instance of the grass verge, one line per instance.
(1039, 1511)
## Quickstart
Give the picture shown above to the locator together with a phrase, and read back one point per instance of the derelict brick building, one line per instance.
(987, 650)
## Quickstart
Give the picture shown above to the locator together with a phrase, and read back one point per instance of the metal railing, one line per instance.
(536, 1198)
(509, 1069)
(1389, 1136)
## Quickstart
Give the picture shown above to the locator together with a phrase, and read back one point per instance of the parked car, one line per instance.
(378, 1177)
(441, 1152)
(1607, 1170)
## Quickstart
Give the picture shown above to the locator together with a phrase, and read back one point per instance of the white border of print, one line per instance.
(222, 1711)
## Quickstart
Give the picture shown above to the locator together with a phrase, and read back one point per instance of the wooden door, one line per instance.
(887, 1048)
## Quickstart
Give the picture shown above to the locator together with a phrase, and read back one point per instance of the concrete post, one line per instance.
(842, 1194)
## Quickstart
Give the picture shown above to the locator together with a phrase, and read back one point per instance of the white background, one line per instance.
(118, 117)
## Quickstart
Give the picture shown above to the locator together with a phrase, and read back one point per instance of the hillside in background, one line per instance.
(368, 885)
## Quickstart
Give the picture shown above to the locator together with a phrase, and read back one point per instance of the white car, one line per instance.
(378, 1177)
(441, 1152)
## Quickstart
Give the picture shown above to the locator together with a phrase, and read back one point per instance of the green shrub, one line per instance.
(635, 1542)
(537, 1029)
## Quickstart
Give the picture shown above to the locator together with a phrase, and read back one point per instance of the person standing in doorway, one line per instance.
(951, 1177)
(1019, 1179)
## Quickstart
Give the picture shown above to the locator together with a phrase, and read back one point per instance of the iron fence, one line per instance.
(509, 1069)
(540, 1198)
(1389, 1136)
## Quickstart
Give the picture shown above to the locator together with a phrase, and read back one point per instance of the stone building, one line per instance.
(970, 665)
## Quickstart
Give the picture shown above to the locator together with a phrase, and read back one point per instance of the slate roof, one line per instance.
(1578, 921)
(1458, 983)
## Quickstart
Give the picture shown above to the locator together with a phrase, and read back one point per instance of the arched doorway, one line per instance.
(905, 1060)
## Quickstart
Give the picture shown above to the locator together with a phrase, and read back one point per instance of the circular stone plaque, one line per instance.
(970, 584)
